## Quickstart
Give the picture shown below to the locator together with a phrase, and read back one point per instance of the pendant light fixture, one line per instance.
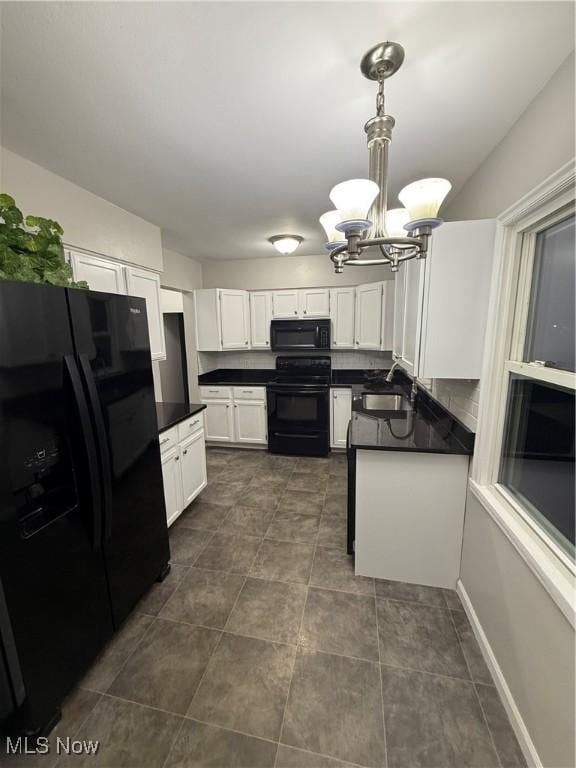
(361, 218)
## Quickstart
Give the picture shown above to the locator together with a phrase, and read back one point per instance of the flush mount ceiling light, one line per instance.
(285, 244)
(361, 218)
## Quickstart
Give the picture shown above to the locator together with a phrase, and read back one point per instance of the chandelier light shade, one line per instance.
(362, 214)
(329, 220)
(285, 244)
(353, 199)
(396, 219)
(423, 198)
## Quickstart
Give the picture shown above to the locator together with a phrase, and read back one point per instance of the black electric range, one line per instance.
(299, 406)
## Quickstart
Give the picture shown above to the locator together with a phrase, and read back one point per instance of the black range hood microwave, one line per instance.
(286, 335)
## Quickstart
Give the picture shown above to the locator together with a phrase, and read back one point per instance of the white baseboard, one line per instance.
(516, 720)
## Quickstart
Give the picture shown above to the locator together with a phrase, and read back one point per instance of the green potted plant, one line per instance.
(31, 249)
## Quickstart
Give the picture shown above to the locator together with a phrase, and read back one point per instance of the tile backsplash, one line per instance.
(460, 396)
(208, 361)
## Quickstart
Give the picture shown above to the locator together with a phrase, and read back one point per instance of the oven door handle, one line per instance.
(292, 435)
(290, 389)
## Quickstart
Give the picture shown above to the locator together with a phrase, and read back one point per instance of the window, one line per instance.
(535, 462)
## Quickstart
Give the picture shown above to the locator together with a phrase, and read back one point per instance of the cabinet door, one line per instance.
(314, 302)
(341, 403)
(368, 316)
(342, 305)
(193, 467)
(146, 284)
(398, 335)
(388, 315)
(414, 273)
(260, 316)
(172, 478)
(100, 274)
(234, 319)
(218, 420)
(250, 422)
(285, 304)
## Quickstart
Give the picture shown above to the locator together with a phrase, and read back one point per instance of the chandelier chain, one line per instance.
(380, 94)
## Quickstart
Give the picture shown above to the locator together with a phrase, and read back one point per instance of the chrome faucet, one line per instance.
(390, 373)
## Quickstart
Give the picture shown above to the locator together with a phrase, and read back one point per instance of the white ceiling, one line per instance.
(225, 123)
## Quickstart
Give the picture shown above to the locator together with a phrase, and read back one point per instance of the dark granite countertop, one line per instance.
(169, 414)
(232, 376)
(426, 427)
(341, 377)
(348, 377)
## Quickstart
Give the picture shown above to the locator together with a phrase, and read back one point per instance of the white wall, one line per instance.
(180, 272)
(286, 272)
(532, 641)
(531, 638)
(540, 142)
(88, 221)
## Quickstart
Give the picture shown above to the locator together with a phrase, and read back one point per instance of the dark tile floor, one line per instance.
(262, 648)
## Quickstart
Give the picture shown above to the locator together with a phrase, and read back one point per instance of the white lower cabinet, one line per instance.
(172, 478)
(219, 421)
(250, 424)
(183, 466)
(340, 414)
(193, 467)
(235, 414)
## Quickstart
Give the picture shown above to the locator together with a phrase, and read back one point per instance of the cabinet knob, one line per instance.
(185, 452)
(305, 312)
(245, 342)
(177, 458)
(295, 312)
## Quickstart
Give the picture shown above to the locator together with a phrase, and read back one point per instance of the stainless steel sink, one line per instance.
(385, 402)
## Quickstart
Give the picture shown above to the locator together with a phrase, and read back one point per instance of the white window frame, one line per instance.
(517, 228)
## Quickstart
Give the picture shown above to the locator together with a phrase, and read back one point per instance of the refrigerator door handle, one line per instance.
(90, 448)
(102, 443)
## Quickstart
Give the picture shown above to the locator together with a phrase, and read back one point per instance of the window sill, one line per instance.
(556, 577)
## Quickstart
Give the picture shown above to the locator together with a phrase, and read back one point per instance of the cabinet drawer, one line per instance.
(190, 426)
(168, 439)
(249, 393)
(210, 393)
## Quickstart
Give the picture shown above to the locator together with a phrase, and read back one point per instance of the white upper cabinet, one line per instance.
(398, 331)
(146, 285)
(222, 319)
(109, 276)
(455, 300)
(342, 306)
(387, 314)
(413, 287)
(314, 302)
(100, 274)
(260, 316)
(442, 303)
(285, 304)
(235, 319)
(369, 316)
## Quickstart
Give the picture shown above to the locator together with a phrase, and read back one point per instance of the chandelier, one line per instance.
(361, 218)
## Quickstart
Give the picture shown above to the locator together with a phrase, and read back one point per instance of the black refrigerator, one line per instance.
(82, 518)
